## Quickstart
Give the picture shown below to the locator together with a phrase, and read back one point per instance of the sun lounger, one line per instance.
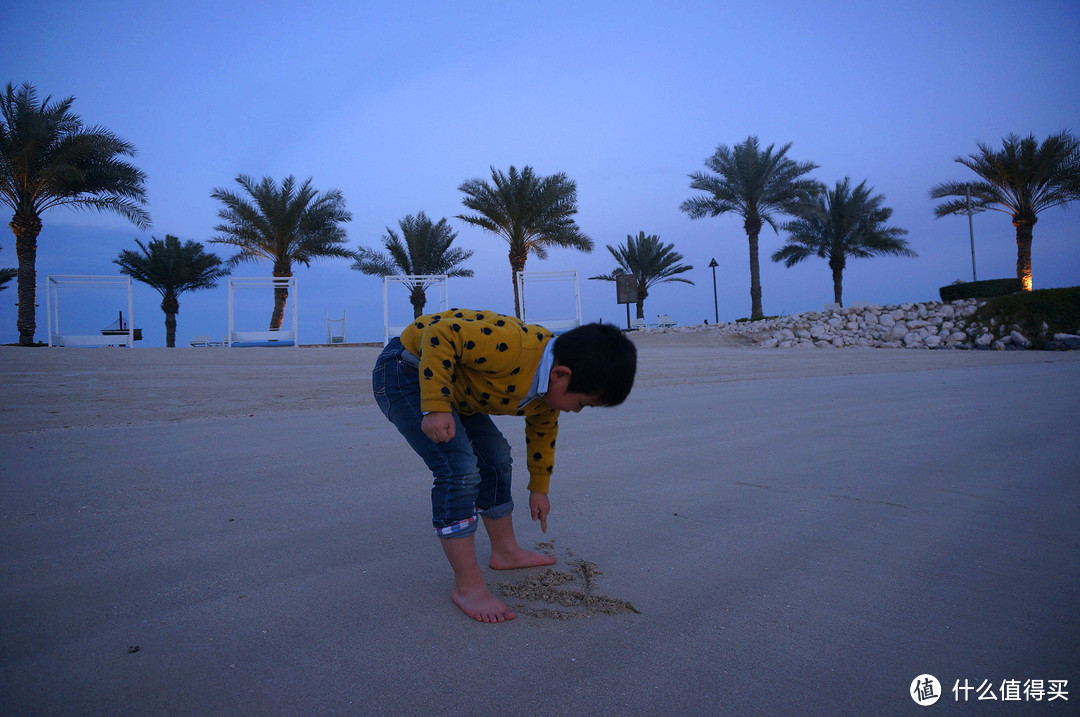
(271, 337)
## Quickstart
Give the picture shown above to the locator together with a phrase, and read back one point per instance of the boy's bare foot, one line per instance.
(506, 554)
(514, 557)
(481, 605)
(470, 592)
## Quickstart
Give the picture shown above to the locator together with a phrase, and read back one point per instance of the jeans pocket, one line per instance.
(378, 388)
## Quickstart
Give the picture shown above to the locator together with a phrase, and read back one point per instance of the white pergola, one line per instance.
(59, 337)
(285, 336)
(410, 281)
(553, 315)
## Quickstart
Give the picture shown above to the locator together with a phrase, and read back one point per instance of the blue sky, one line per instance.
(396, 104)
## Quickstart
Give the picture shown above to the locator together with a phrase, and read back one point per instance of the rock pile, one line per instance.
(929, 325)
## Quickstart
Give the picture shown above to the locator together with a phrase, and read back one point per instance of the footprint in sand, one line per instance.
(547, 588)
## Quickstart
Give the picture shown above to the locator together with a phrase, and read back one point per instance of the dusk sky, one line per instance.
(396, 104)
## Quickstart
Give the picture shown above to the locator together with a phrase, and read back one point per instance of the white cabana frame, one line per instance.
(58, 337)
(538, 312)
(409, 281)
(287, 335)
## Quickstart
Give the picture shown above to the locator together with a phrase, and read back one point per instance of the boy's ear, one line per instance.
(560, 373)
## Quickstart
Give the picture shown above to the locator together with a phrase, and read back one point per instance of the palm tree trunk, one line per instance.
(1024, 227)
(170, 304)
(26, 227)
(517, 265)
(837, 281)
(281, 295)
(170, 331)
(418, 299)
(642, 294)
(753, 229)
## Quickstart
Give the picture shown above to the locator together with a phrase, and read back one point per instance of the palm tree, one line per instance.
(172, 268)
(1022, 179)
(422, 249)
(49, 159)
(755, 185)
(531, 213)
(648, 261)
(282, 224)
(839, 224)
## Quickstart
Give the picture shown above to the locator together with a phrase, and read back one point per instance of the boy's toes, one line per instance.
(482, 607)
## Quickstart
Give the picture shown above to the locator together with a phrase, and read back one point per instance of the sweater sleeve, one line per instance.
(541, 430)
(451, 343)
(464, 353)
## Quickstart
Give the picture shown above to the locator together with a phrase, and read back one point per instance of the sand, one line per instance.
(538, 594)
(215, 531)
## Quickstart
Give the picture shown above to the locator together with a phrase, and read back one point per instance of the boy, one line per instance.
(439, 382)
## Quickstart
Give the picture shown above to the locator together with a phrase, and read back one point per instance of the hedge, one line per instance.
(979, 289)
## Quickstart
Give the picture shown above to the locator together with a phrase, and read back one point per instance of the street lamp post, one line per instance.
(716, 305)
(971, 231)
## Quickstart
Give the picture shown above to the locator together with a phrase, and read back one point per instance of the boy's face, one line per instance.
(560, 398)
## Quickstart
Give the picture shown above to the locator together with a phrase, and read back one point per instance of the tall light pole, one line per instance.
(971, 231)
(716, 305)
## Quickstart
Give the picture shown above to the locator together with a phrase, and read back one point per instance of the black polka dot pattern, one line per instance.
(484, 362)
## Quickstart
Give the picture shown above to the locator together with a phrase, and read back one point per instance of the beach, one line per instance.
(756, 531)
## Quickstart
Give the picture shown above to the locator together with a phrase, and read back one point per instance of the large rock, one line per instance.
(1069, 341)
(1018, 339)
(783, 335)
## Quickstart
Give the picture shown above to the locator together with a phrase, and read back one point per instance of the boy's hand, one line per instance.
(539, 507)
(439, 427)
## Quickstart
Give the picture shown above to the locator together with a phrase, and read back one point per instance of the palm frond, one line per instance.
(48, 158)
(7, 275)
(649, 260)
(529, 212)
(1023, 178)
(753, 183)
(841, 223)
(422, 248)
(170, 267)
(283, 223)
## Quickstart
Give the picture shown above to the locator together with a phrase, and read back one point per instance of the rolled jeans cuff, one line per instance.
(497, 512)
(460, 529)
(465, 528)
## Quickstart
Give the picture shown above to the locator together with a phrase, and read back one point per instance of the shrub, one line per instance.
(746, 319)
(1038, 315)
(979, 289)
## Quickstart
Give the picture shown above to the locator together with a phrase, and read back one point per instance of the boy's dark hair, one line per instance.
(601, 360)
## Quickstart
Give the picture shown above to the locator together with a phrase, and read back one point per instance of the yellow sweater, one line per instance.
(484, 362)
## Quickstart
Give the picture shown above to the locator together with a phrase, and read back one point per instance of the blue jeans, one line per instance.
(471, 472)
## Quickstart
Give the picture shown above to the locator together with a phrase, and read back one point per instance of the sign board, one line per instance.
(626, 288)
